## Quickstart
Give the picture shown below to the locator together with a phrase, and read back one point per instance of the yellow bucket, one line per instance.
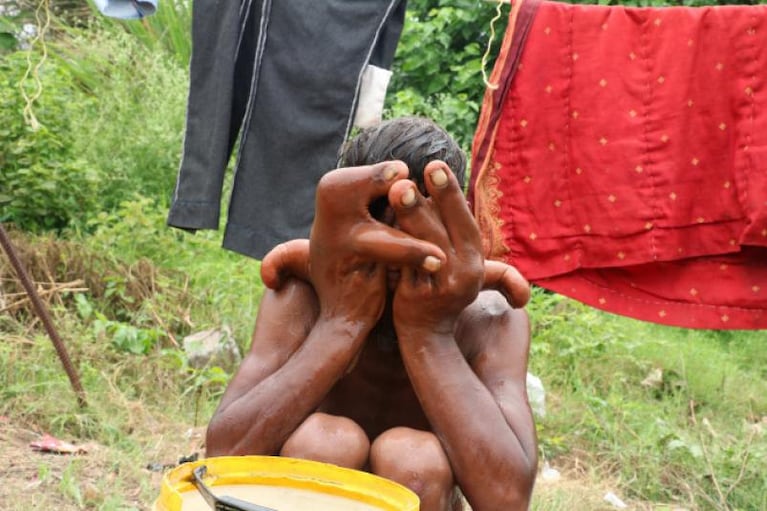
(284, 484)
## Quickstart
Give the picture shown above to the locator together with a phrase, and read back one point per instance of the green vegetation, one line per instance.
(40, 168)
(676, 415)
(663, 417)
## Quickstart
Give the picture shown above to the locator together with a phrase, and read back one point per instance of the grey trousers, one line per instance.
(283, 77)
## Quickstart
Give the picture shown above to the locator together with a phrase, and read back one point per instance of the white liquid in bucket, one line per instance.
(280, 498)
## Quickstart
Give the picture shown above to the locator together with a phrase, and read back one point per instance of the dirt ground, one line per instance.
(96, 477)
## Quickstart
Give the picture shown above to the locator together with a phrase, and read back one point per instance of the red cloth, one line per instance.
(623, 159)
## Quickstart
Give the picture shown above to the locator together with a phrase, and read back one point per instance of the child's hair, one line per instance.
(414, 140)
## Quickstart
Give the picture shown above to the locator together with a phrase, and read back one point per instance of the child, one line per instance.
(387, 355)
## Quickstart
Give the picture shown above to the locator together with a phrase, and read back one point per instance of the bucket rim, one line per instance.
(297, 473)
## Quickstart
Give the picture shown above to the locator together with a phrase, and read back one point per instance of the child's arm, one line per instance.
(291, 260)
(465, 352)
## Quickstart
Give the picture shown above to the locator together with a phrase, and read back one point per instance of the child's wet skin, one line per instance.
(385, 354)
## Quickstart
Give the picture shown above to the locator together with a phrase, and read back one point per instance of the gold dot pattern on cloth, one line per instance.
(619, 158)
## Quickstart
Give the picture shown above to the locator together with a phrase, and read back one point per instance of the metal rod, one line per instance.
(42, 313)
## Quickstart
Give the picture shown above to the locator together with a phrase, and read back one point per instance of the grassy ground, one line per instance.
(664, 418)
(676, 416)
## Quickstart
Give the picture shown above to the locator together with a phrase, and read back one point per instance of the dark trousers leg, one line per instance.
(300, 112)
(221, 56)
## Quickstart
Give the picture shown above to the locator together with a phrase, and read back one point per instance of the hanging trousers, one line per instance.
(283, 78)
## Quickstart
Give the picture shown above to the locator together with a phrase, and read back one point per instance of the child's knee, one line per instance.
(415, 459)
(329, 439)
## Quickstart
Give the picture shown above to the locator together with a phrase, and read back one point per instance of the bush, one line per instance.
(134, 136)
(49, 184)
(111, 117)
(438, 65)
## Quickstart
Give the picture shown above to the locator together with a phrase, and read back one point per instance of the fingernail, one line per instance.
(431, 264)
(439, 178)
(390, 172)
(408, 198)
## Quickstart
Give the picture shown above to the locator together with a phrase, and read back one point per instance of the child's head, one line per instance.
(414, 140)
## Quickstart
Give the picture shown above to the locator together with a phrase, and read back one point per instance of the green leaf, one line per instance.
(7, 41)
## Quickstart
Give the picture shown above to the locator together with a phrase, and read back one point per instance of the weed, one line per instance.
(684, 435)
(70, 487)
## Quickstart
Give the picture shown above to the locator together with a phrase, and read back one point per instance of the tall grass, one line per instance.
(675, 415)
(134, 137)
